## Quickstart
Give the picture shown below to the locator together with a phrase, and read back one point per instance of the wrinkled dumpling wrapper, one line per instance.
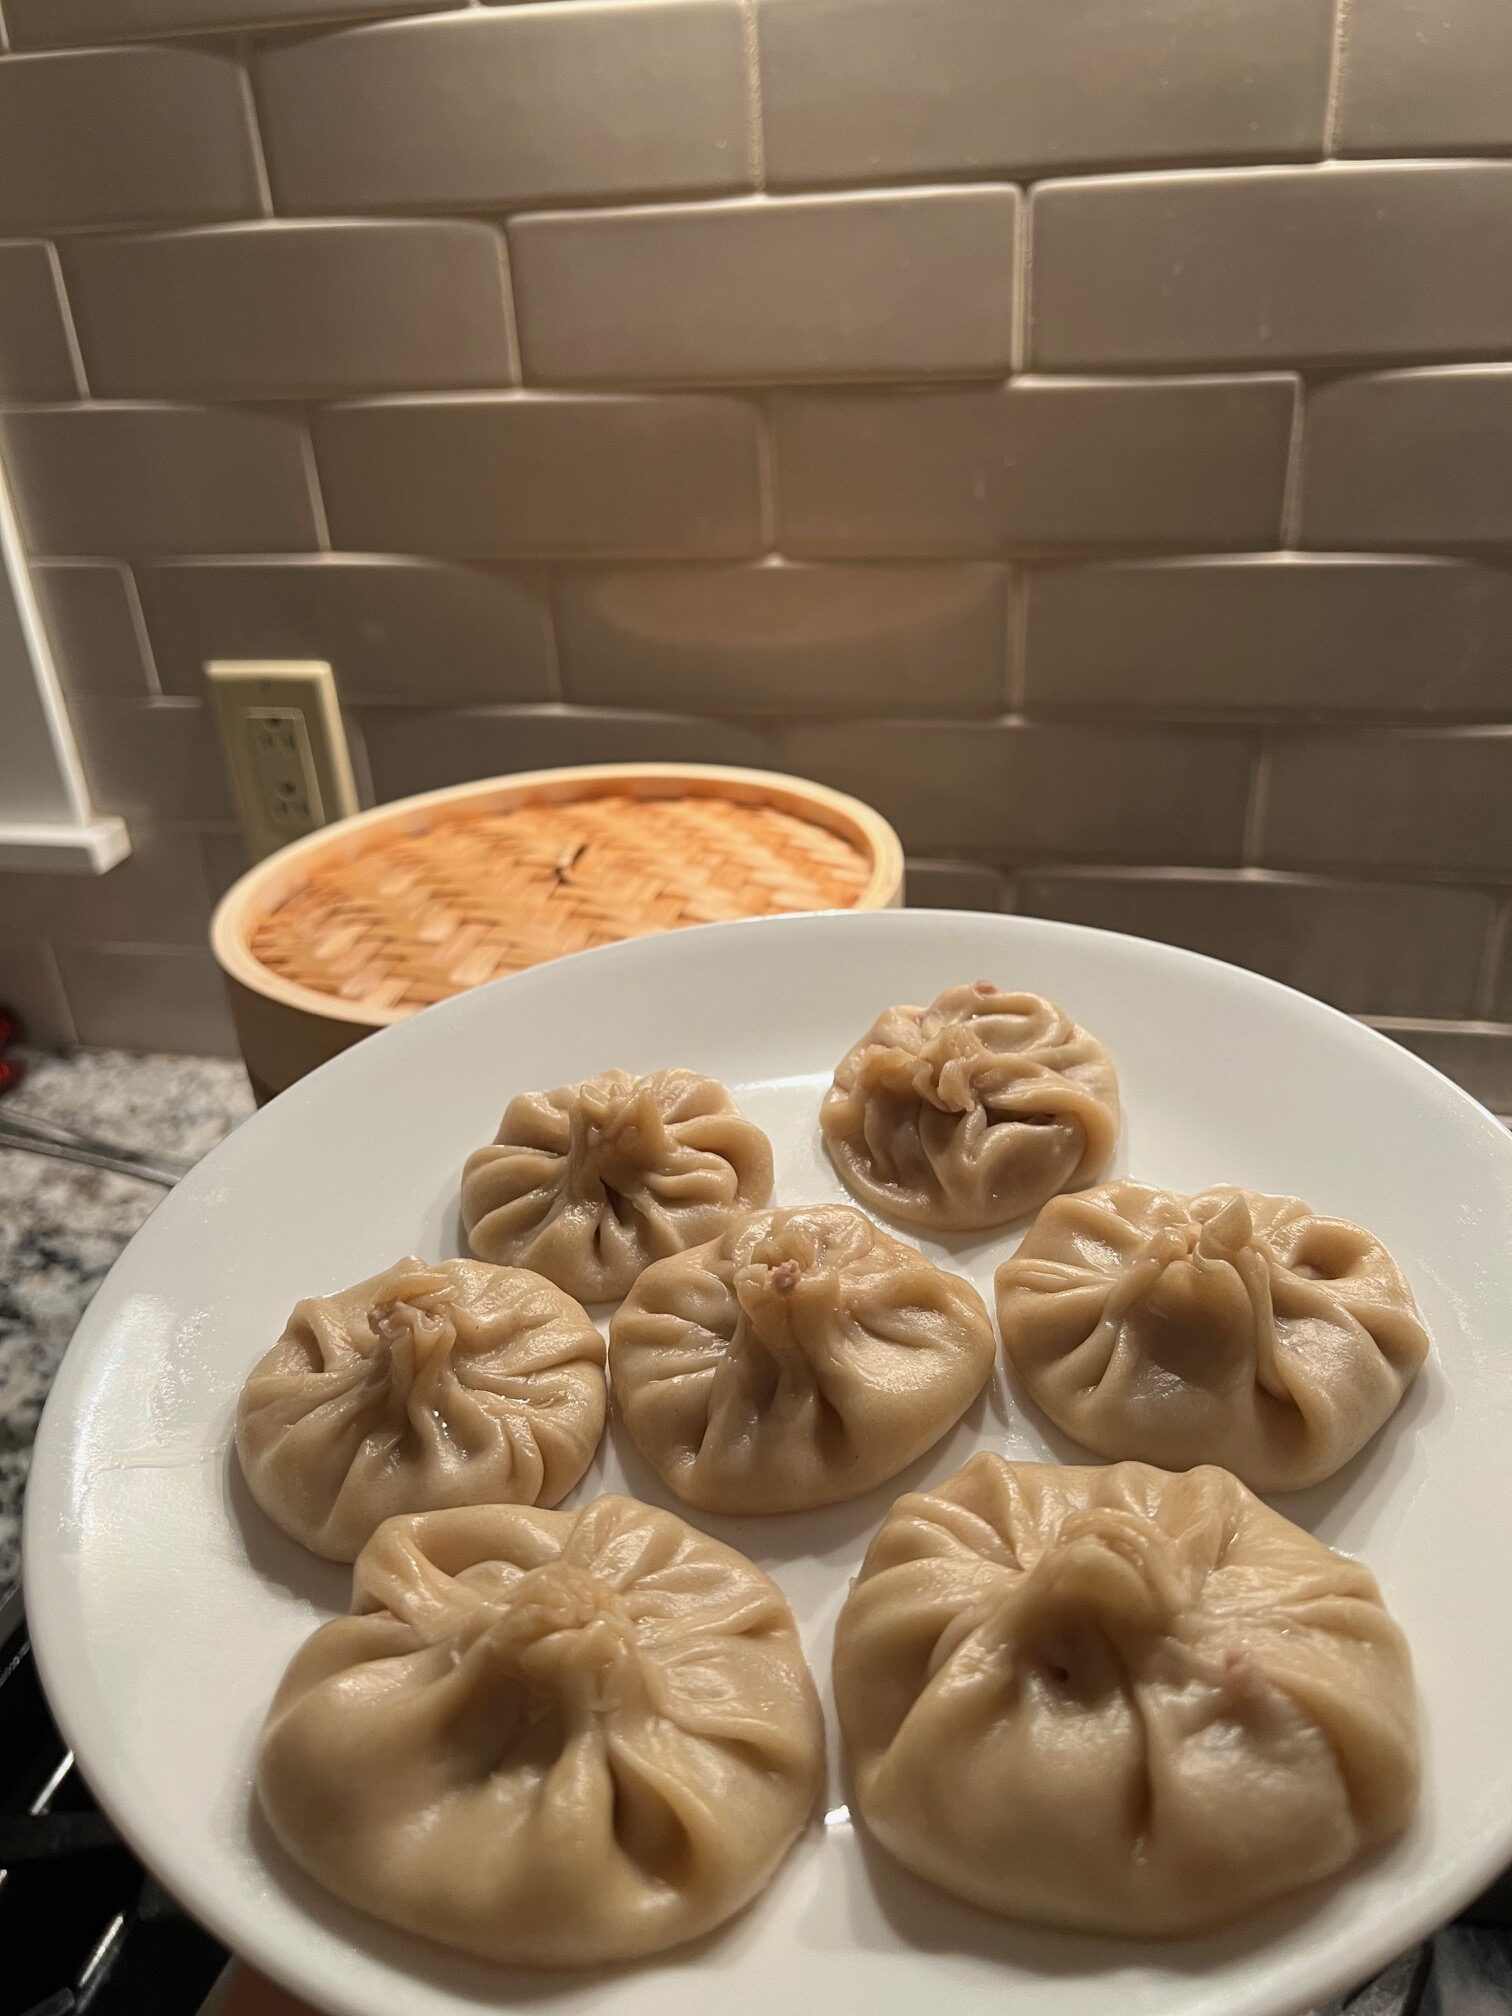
(589, 1183)
(1228, 1327)
(971, 1112)
(453, 1384)
(547, 1738)
(1116, 1700)
(797, 1360)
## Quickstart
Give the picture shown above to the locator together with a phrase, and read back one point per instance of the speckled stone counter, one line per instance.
(62, 1226)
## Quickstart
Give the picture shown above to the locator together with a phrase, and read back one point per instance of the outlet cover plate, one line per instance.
(285, 746)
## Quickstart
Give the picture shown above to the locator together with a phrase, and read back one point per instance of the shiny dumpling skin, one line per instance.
(589, 1183)
(1227, 1327)
(797, 1360)
(1114, 1700)
(971, 1112)
(547, 1738)
(428, 1385)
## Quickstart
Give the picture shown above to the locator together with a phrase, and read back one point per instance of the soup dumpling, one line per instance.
(1228, 1327)
(799, 1359)
(452, 1384)
(1116, 1700)
(589, 1183)
(547, 1738)
(971, 1112)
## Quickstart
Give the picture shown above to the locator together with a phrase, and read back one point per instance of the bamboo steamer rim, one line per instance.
(271, 881)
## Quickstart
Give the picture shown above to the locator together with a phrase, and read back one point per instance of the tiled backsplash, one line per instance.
(1084, 431)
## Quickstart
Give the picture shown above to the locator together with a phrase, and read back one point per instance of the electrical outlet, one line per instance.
(288, 789)
(285, 747)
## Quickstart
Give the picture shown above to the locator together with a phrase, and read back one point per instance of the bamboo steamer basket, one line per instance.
(364, 922)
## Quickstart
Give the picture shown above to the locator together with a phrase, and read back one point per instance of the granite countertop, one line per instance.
(62, 1226)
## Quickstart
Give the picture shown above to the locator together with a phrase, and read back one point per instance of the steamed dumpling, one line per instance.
(971, 1112)
(547, 1738)
(591, 1182)
(798, 1359)
(456, 1384)
(1226, 1328)
(1119, 1701)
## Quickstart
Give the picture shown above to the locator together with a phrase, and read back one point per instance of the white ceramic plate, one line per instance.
(164, 1607)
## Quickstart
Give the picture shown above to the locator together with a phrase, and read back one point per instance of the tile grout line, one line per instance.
(1023, 278)
(766, 481)
(1018, 638)
(1492, 954)
(1291, 483)
(549, 595)
(143, 636)
(1254, 811)
(70, 327)
(50, 951)
(1335, 80)
(254, 126)
(511, 311)
(313, 485)
(755, 111)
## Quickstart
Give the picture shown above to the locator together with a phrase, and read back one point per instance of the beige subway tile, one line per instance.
(93, 624)
(1500, 974)
(1328, 264)
(1035, 466)
(863, 90)
(35, 360)
(1284, 631)
(1426, 77)
(531, 474)
(413, 749)
(130, 997)
(30, 984)
(787, 639)
(274, 309)
(155, 759)
(1367, 947)
(1042, 791)
(1405, 798)
(1479, 1057)
(223, 859)
(534, 104)
(39, 24)
(954, 885)
(158, 479)
(391, 629)
(159, 895)
(870, 285)
(114, 136)
(1409, 458)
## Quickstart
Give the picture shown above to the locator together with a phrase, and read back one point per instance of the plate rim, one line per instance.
(45, 1556)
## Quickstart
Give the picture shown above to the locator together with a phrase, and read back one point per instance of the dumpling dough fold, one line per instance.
(797, 1360)
(452, 1384)
(1228, 1327)
(547, 1738)
(971, 1112)
(589, 1183)
(1116, 1700)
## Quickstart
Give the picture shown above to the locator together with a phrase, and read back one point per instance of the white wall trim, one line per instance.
(84, 849)
(47, 818)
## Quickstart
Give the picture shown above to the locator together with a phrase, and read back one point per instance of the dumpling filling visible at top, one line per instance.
(971, 1112)
(1227, 1327)
(1119, 1701)
(797, 1360)
(589, 1183)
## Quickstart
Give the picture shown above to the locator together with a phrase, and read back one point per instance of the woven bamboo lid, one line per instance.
(372, 918)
